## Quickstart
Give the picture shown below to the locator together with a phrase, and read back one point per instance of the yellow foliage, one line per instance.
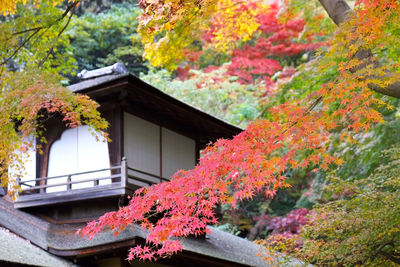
(168, 27)
(238, 23)
(9, 7)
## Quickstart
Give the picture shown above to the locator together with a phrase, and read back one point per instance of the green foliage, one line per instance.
(98, 6)
(212, 92)
(360, 225)
(363, 157)
(98, 40)
(32, 39)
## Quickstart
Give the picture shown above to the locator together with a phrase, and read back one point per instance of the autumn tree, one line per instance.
(234, 86)
(31, 90)
(295, 132)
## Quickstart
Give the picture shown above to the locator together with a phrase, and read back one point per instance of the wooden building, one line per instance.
(77, 179)
(153, 135)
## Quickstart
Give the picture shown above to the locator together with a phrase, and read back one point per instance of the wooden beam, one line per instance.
(98, 192)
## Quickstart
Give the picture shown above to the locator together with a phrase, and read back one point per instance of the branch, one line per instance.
(27, 30)
(20, 46)
(338, 11)
(390, 256)
(36, 30)
(58, 35)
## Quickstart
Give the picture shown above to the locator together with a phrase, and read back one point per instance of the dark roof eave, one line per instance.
(105, 83)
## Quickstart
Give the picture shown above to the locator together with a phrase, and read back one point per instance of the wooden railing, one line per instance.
(121, 175)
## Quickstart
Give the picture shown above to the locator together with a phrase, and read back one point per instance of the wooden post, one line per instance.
(69, 186)
(43, 190)
(124, 172)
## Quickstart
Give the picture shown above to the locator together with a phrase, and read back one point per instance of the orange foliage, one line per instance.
(296, 135)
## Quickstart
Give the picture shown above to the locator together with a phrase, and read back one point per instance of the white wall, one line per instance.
(142, 146)
(77, 151)
(142, 141)
(29, 160)
(178, 152)
(92, 155)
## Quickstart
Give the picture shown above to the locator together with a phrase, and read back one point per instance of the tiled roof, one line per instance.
(14, 249)
(60, 239)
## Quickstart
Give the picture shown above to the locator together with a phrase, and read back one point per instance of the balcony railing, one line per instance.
(113, 181)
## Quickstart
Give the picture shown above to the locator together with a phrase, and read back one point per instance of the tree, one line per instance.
(357, 226)
(214, 92)
(277, 42)
(233, 85)
(31, 92)
(101, 39)
(294, 134)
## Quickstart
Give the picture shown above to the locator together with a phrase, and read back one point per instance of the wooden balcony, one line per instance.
(121, 180)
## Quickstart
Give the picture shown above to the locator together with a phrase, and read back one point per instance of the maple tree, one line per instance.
(31, 91)
(234, 85)
(276, 38)
(270, 40)
(294, 134)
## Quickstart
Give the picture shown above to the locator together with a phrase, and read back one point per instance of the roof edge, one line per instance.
(85, 87)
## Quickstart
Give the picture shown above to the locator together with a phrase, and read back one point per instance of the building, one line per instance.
(154, 135)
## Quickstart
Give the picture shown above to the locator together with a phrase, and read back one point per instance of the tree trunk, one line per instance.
(336, 9)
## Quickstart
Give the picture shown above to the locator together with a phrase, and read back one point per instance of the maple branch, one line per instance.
(27, 30)
(338, 11)
(36, 30)
(20, 47)
(59, 34)
(308, 111)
